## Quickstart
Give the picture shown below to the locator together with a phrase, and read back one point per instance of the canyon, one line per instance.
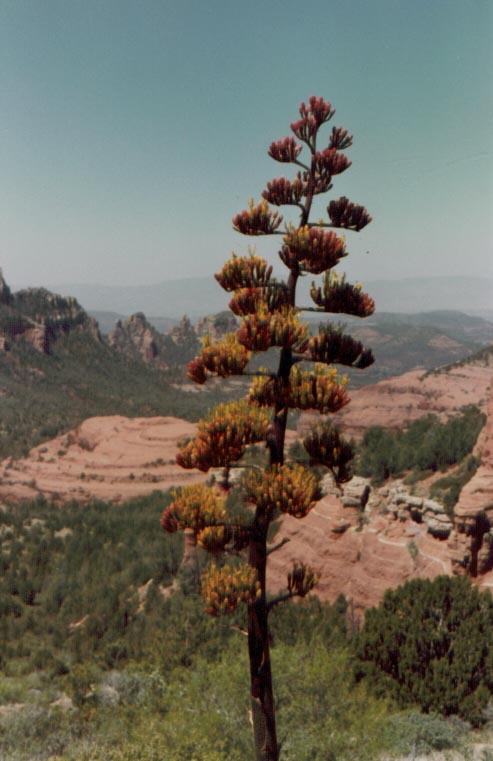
(360, 539)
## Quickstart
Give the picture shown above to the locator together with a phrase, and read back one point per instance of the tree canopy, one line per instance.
(431, 643)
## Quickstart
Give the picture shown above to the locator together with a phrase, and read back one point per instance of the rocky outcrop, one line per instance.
(138, 337)
(40, 318)
(471, 543)
(216, 325)
(361, 539)
(184, 333)
(359, 553)
(113, 458)
(356, 493)
(469, 532)
(393, 500)
(403, 506)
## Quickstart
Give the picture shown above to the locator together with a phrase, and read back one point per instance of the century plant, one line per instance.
(305, 379)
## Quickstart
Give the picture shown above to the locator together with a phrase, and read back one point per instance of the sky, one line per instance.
(132, 132)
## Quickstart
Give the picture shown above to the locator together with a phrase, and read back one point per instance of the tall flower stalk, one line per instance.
(305, 379)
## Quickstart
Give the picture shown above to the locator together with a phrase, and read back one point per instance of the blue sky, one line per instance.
(132, 132)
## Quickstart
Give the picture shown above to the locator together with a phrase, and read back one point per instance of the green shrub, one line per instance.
(448, 489)
(427, 445)
(430, 643)
(414, 732)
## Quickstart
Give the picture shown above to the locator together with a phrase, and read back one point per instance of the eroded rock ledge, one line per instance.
(471, 542)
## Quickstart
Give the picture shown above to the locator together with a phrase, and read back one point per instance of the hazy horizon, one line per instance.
(95, 284)
(198, 296)
(132, 133)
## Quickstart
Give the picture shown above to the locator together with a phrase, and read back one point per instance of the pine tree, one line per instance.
(430, 643)
(304, 380)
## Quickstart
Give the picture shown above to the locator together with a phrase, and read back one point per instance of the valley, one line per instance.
(93, 392)
(359, 547)
(88, 436)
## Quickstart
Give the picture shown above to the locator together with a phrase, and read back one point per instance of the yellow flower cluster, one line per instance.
(249, 300)
(214, 538)
(322, 390)
(288, 489)
(337, 296)
(312, 248)
(193, 507)
(332, 346)
(225, 588)
(225, 358)
(257, 220)
(244, 272)
(264, 329)
(223, 435)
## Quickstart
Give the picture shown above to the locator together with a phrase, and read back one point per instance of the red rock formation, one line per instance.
(40, 318)
(216, 325)
(471, 543)
(136, 335)
(359, 555)
(113, 458)
(395, 402)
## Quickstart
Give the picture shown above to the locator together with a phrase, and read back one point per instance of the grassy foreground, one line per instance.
(96, 663)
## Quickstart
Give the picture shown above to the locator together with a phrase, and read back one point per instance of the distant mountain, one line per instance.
(197, 296)
(465, 294)
(56, 368)
(458, 325)
(486, 314)
(403, 342)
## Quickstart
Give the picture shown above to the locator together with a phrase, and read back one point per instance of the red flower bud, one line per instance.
(330, 162)
(196, 371)
(169, 522)
(257, 220)
(340, 139)
(282, 191)
(285, 150)
(338, 296)
(319, 109)
(344, 213)
(313, 116)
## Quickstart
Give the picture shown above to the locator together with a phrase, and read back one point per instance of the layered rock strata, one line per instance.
(111, 458)
(471, 543)
(396, 402)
